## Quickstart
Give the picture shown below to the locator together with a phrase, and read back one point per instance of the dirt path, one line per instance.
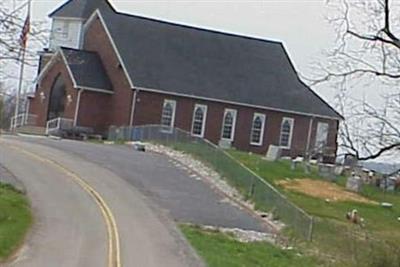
(322, 189)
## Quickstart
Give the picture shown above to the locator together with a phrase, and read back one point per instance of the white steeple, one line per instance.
(68, 21)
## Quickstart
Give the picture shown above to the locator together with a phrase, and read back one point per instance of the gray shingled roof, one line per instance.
(203, 63)
(80, 8)
(87, 69)
(197, 62)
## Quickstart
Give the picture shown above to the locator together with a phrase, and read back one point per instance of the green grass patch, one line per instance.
(336, 242)
(378, 219)
(272, 171)
(333, 235)
(221, 250)
(15, 220)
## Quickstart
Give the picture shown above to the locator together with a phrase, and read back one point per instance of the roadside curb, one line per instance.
(6, 177)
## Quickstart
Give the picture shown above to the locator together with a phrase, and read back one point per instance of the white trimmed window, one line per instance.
(257, 129)
(168, 114)
(321, 138)
(286, 132)
(228, 125)
(199, 120)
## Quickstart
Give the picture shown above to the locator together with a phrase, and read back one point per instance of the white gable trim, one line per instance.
(98, 90)
(97, 13)
(53, 60)
(68, 68)
(49, 64)
(75, 84)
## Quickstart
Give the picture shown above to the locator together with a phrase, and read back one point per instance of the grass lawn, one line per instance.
(15, 220)
(377, 218)
(336, 242)
(333, 235)
(221, 250)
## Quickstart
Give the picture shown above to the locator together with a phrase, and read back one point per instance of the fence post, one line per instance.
(311, 229)
(252, 188)
(175, 132)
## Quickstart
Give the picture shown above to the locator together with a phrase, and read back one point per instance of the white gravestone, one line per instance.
(354, 184)
(274, 153)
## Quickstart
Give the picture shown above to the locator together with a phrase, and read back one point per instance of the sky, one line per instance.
(299, 24)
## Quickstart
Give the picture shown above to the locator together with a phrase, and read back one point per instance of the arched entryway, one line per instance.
(57, 99)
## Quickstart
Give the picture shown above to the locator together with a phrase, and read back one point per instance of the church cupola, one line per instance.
(68, 21)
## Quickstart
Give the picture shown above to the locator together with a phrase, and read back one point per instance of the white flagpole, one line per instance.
(21, 78)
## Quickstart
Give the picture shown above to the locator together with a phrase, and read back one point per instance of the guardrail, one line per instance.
(265, 196)
(22, 120)
(56, 125)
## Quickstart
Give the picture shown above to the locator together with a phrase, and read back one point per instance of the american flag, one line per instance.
(25, 31)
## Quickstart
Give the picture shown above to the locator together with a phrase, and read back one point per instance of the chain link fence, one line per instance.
(249, 184)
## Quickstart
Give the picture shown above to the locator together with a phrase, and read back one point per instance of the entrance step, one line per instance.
(33, 130)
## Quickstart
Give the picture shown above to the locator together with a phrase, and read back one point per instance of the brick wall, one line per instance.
(101, 110)
(94, 111)
(149, 107)
(119, 106)
(39, 107)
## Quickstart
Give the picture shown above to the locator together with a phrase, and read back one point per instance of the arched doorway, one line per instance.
(57, 99)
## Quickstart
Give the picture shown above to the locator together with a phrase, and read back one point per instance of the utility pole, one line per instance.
(1, 112)
(21, 75)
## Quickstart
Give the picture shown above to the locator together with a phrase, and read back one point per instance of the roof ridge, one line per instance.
(86, 5)
(178, 24)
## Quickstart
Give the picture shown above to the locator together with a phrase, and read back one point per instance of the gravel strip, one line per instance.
(243, 236)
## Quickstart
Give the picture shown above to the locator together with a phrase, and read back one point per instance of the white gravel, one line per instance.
(243, 236)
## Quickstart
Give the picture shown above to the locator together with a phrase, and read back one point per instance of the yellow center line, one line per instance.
(114, 254)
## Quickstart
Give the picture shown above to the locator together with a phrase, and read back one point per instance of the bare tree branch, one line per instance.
(366, 51)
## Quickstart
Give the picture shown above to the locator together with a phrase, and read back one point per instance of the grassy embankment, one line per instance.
(334, 236)
(15, 220)
(221, 250)
(336, 242)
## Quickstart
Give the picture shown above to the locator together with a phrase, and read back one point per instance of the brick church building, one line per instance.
(105, 68)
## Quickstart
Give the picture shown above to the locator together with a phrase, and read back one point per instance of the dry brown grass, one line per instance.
(323, 190)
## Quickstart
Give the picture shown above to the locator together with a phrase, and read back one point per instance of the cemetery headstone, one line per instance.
(354, 183)
(350, 161)
(274, 153)
(327, 171)
(388, 183)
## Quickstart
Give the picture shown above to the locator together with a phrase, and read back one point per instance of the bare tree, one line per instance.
(12, 19)
(11, 24)
(367, 51)
(369, 131)
(7, 106)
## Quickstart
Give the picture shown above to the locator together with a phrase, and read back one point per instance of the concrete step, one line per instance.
(34, 130)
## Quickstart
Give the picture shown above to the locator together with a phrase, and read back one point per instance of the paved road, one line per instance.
(69, 229)
(6, 177)
(184, 198)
